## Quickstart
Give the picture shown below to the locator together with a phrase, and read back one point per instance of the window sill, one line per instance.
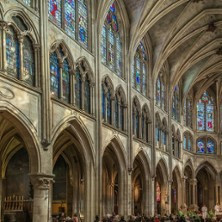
(147, 97)
(142, 141)
(60, 102)
(114, 128)
(20, 82)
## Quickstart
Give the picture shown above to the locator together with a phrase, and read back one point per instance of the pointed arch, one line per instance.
(189, 165)
(209, 167)
(164, 169)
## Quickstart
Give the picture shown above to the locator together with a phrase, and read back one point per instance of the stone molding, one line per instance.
(41, 181)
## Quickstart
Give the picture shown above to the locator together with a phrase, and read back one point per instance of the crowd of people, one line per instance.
(189, 216)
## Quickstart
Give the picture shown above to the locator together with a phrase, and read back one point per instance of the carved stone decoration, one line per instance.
(42, 181)
(6, 93)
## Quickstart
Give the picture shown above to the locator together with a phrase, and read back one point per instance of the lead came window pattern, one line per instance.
(139, 72)
(54, 74)
(175, 104)
(78, 87)
(111, 45)
(205, 145)
(28, 61)
(70, 17)
(83, 22)
(205, 113)
(55, 14)
(66, 81)
(12, 53)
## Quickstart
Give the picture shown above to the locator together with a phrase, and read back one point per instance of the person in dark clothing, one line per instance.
(122, 219)
(96, 218)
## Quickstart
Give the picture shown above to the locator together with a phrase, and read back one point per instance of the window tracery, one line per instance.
(139, 70)
(20, 52)
(187, 141)
(176, 141)
(187, 112)
(161, 92)
(111, 44)
(72, 16)
(176, 104)
(205, 113)
(206, 145)
(136, 118)
(146, 122)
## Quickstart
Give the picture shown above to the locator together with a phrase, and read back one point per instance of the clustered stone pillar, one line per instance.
(42, 200)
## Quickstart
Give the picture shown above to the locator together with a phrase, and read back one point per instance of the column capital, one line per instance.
(193, 181)
(41, 181)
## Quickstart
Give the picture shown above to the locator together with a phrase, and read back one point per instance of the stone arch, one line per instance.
(20, 12)
(81, 133)
(210, 168)
(158, 119)
(67, 53)
(108, 84)
(26, 131)
(141, 184)
(163, 166)
(1, 11)
(145, 109)
(119, 90)
(189, 165)
(136, 103)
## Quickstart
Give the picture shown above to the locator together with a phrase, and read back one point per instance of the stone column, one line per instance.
(184, 200)
(41, 203)
(3, 27)
(152, 196)
(168, 197)
(193, 183)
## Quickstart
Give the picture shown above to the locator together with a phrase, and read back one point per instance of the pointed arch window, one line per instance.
(78, 89)
(139, 70)
(28, 61)
(145, 124)
(205, 113)
(187, 141)
(188, 106)
(136, 119)
(27, 2)
(158, 131)
(72, 16)
(206, 145)
(22, 68)
(60, 75)
(87, 103)
(111, 44)
(176, 104)
(164, 133)
(12, 53)
(161, 92)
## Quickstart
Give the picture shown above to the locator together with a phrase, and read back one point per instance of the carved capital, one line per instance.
(41, 181)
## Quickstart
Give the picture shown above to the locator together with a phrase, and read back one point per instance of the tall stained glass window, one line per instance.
(160, 92)
(87, 102)
(72, 16)
(111, 45)
(187, 112)
(78, 89)
(103, 103)
(12, 53)
(139, 70)
(116, 112)
(205, 113)
(176, 104)
(187, 141)
(54, 74)
(28, 61)
(60, 75)
(206, 145)
(109, 107)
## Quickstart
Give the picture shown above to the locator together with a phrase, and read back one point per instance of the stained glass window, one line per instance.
(28, 62)
(55, 11)
(137, 124)
(136, 120)
(116, 112)
(189, 144)
(54, 74)
(175, 104)
(158, 92)
(139, 72)
(188, 112)
(87, 101)
(145, 125)
(200, 146)
(66, 81)
(210, 146)
(103, 103)
(187, 141)
(72, 16)
(109, 107)
(12, 53)
(205, 113)
(122, 116)
(111, 45)
(82, 22)
(78, 89)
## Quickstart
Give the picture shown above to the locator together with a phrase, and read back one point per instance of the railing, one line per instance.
(17, 204)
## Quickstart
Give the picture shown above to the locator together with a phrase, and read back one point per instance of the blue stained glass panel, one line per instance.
(55, 14)
(54, 74)
(87, 96)
(111, 49)
(200, 116)
(66, 81)
(162, 96)
(118, 56)
(83, 22)
(109, 108)
(210, 146)
(78, 89)
(210, 118)
(144, 78)
(27, 2)
(103, 103)
(137, 124)
(189, 144)
(28, 62)
(116, 112)
(70, 17)
(158, 92)
(12, 53)
(185, 142)
(104, 45)
(200, 146)
(121, 117)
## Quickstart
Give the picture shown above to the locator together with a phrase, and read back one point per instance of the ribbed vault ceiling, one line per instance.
(185, 36)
